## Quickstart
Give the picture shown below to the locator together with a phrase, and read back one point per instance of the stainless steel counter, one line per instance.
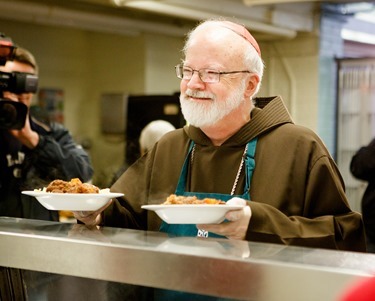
(218, 267)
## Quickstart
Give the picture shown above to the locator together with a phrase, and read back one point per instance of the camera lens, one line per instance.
(12, 114)
(8, 114)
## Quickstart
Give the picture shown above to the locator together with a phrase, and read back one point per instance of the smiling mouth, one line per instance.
(199, 98)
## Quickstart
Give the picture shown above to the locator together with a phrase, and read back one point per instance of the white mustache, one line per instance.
(199, 94)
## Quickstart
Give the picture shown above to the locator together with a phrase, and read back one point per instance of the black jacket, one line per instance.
(56, 156)
(362, 167)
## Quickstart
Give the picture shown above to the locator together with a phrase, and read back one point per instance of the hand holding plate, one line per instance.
(91, 218)
(238, 221)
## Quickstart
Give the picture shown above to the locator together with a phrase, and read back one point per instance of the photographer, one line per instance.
(34, 155)
(362, 167)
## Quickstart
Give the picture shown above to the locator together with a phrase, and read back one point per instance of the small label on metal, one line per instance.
(202, 233)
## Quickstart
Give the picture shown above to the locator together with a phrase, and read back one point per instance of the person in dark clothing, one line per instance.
(35, 155)
(362, 166)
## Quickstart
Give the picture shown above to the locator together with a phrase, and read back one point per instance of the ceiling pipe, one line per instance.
(54, 15)
(172, 10)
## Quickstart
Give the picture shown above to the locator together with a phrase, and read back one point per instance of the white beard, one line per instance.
(210, 111)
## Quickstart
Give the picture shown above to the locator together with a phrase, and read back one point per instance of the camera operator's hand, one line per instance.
(26, 135)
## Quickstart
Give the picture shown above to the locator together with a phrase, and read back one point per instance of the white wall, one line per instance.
(162, 54)
(291, 71)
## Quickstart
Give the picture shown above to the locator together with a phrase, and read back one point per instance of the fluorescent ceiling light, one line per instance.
(183, 12)
(264, 2)
(54, 15)
(357, 36)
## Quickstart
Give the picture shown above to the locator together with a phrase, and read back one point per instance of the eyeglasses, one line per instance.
(206, 75)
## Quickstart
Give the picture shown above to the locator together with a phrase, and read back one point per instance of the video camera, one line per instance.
(12, 113)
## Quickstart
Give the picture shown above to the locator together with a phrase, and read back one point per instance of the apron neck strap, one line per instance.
(249, 168)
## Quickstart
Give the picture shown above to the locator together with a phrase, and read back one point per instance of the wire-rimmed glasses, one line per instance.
(206, 75)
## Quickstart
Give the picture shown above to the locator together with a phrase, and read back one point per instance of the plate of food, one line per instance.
(190, 210)
(72, 196)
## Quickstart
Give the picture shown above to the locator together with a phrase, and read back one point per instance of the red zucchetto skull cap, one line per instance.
(243, 32)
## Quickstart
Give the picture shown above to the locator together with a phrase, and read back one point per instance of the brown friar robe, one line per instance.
(297, 193)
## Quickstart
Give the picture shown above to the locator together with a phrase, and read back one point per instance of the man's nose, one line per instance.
(195, 80)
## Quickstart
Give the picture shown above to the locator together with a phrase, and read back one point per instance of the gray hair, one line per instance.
(152, 132)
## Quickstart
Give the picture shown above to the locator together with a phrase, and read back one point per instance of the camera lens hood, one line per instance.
(12, 114)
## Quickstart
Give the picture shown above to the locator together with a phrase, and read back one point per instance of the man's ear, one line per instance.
(251, 85)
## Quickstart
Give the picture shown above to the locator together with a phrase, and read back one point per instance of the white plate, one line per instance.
(192, 214)
(72, 201)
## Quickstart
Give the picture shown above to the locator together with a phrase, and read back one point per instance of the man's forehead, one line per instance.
(16, 66)
(8, 67)
(212, 54)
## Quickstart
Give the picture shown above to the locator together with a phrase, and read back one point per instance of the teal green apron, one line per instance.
(191, 230)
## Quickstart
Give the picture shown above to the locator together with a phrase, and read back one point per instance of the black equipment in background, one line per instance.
(143, 109)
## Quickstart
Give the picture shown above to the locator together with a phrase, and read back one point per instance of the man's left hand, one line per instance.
(237, 221)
